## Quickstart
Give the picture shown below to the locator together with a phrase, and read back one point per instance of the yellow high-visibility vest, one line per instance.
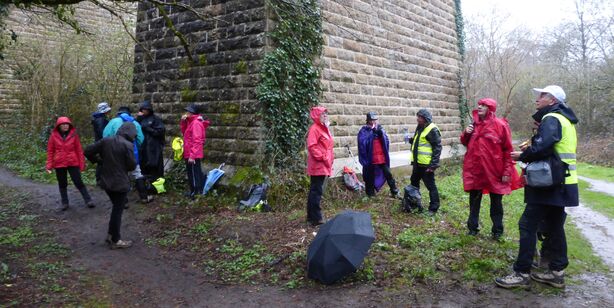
(566, 147)
(425, 150)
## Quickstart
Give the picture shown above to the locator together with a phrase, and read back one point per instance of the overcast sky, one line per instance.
(537, 15)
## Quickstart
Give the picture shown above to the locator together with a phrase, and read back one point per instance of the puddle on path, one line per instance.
(599, 186)
(597, 229)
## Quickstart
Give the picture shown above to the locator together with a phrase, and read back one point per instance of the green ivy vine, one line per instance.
(460, 36)
(289, 80)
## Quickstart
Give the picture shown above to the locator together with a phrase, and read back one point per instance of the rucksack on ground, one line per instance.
(256, 199)
(412, 199)
(350, 180)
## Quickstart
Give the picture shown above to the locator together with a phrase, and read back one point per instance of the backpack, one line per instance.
(412, 198)
(351, 181)
(256, 199)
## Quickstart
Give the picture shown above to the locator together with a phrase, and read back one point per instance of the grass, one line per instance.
(599, 202)
(596, 172)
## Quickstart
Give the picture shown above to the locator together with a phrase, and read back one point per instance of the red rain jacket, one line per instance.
(320, 143)
(64, 152)
(194, 136)
(488, 154)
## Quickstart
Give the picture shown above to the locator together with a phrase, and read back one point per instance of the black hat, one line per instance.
(425, 114)
(192, 108)
(371, 116)
(146, 105)
(124, 109)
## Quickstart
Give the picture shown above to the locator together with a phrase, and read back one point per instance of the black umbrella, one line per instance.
(340, 246)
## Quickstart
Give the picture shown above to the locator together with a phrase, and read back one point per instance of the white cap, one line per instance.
(555, 91)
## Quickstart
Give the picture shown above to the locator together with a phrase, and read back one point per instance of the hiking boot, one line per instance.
(514, 280)
(497, 236)
(109, 239)
(121, 244)
(431, 213)
(147, 200)
(90, 204)
(473, 232)
(62, 207)
(553, 278)
(395, 195)
(317, 223)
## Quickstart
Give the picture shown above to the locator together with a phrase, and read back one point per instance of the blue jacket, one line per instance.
(116, 123)
(365, 144)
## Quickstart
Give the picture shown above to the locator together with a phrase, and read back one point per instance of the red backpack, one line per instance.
(351, 181)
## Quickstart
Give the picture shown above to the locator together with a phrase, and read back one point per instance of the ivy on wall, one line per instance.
(460, 36)
(289, 79)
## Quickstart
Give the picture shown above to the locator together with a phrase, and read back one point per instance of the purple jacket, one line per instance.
(365, 145)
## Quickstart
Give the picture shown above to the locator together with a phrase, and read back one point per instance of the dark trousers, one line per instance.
(98, 172)
(75, 176)
(554, 221)
(369, 176)
(195, 176)
(419, 173)
(496, 211)
(118, 199)
(316, 189)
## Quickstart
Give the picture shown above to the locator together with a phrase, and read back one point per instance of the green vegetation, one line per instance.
(599, 202)
(289, 79)
(596, 172)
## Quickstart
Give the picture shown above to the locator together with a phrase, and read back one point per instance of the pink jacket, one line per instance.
(194, 136)
(320, 143)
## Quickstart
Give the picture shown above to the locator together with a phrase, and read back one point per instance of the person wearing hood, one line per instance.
(426, 150)
(555, 137)
(320, 159)
(373, 147)
(488, 167)
(151, 158)
(117, 154)
(65, 155)
(99, 122)
(123, 115)
(193, 128)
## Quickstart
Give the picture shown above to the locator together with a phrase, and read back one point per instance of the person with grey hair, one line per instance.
(555, 140)
(426, 150)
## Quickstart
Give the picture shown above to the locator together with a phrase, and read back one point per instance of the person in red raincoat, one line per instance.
(193, 127)
(320, 158)
(65, 155)
(488, 167)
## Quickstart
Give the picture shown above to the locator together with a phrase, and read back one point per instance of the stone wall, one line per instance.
(38, 30)
(392, 57)
(227, 49)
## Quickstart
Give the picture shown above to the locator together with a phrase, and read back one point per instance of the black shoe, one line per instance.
(317, 223)
(497, 236)
(473, 232)
(90, 204)
(147, 200)
(431, 213)
(62, 207)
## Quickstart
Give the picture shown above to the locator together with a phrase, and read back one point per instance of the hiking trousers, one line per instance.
(419, 173)
(316, 189)
(75, 176)
(196, 177)
(118, 199)
(496, 211)
(553, 218)
(369, 177)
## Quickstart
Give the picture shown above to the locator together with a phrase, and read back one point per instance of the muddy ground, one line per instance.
(146, 276)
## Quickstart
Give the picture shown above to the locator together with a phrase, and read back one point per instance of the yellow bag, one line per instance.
(177, 147)
(159, 185)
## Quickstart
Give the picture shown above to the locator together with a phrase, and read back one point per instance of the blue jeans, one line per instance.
(554, 220)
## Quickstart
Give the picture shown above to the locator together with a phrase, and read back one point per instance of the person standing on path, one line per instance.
(193, 127)
(426, 150)
(320, 157)
(123, 115)
(373, 146)
(65, 155)
(151, 159)
(555, 139)
(488, 167)
(117, 154)
(99, 122)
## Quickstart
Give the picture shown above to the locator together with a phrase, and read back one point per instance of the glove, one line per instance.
(378, 131)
